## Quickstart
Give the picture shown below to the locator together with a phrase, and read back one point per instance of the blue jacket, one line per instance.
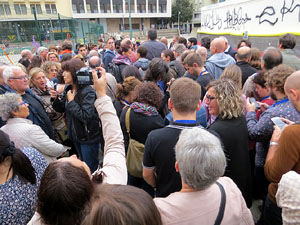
(216, 64)
(107, 58)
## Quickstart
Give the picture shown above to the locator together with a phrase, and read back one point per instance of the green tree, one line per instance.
(186, 9)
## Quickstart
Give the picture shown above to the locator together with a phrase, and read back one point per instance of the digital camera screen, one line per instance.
(83, 79)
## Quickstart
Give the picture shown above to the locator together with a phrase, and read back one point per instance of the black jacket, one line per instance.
(246, 69)
(82, 117)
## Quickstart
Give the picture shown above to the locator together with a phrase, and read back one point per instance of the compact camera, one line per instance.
(85, 76)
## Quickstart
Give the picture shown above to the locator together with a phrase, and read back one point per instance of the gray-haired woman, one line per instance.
(21, 130)
(200, 160)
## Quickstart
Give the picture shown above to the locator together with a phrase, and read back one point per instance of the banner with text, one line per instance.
(253, 18)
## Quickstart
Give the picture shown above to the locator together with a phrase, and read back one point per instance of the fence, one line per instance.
(18, 35)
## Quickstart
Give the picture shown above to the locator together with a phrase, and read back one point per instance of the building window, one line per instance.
(105, 6)
(131, 6)
(141, 6)
(37, 8)
(152, 6)
(162, 6)
(91, 6)
(50, 8)
(77, 6)
(5, 9)
(23, 9)
(118, 6)
(17, 9)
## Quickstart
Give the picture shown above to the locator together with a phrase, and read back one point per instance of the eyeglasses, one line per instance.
(209, 98)
(19, 78)
(53, 70)
(23, 103)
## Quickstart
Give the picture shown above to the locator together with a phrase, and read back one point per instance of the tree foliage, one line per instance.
(186, 9)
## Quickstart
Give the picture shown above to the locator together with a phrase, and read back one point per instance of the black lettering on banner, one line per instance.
(270, 13)
(285, 10)
(211, 20)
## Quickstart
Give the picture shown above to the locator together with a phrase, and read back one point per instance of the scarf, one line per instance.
(121, 59)
(145, 109)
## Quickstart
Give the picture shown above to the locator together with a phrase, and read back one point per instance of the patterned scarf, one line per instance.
(121, 59)
(145, 109)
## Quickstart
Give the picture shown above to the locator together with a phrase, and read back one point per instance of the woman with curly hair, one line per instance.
(225, 101)
(143, 117)
(51, 70)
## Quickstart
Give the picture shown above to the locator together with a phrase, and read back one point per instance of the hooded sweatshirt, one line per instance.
(142, 63)
(217, 63)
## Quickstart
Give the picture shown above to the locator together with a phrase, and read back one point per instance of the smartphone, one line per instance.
(277, 121)
(254, 101)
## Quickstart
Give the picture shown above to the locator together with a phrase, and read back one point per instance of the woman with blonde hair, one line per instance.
(255, 59)
(51, 71)
(52, 56)
(226, 103)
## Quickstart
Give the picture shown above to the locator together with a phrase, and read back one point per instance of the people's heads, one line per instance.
(202, 52)
(152, 34)
(276, 79)
(65, 57)
(234, 73)
(191, 42)
(157, 70)
(167, 55)
(255, 58)
(53, 48)
(243, 54)
(94, 61)
(26, 53)
(12, 159)
(110, 43)
(217, 46)
(178, 49)
(272, 57)
(223, 99)
(148, 93)
(261, 87)
(185, 95)
(122, 204)
(2, 67)
(127, 41)
(82, 49)
(12, 106)
(37, 78)
(51, 69)
(93, 53)
(183, 41)
(65, 190)
(124, 50)
(184, 55)
(175, 40)
(243, 43)
(287, 41)
(52, 56)
(100, 42)
(70, 68)
(200, 158)
(205, 42)
(193, 64)
(292, 89)
(131, 71)
(141, 51)
(226, 42)
(126, 89)
(36, 61)
(42, 52)
(16, 79)
(66, 45)
(164, 40)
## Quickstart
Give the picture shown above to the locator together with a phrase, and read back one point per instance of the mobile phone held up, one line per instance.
(255, 102)
(85, 76)
(277, 121)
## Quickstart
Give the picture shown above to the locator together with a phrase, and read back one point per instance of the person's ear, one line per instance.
(198, 105)
(170, 104)
(176, 166)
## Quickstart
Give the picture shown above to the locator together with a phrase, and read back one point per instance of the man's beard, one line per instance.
(272, 95)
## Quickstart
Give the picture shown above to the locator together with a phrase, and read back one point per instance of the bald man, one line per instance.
(228, 49)
(216, 64)
(283, 156)
(243, 58)
(202, 52)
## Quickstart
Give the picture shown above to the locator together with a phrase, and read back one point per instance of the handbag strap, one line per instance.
(222, 205)
(127, 122)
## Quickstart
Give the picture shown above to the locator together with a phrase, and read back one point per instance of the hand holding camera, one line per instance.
(99, 83)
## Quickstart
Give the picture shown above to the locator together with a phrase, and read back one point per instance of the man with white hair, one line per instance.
(17, 82)
(228, 49)
(218, 61)
(2, 83)
(205, 197)
(178, 49)
(202, 52)
(42, 52)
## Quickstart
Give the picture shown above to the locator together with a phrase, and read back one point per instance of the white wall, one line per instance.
(257, 17)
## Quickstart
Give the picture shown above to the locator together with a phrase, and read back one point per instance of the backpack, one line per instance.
(115, 70)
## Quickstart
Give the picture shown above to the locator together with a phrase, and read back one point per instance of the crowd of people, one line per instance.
(151, 133)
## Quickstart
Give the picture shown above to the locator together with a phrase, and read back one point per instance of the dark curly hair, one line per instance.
(148, 93)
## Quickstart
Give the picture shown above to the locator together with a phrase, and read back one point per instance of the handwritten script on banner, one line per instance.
(256, 17)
